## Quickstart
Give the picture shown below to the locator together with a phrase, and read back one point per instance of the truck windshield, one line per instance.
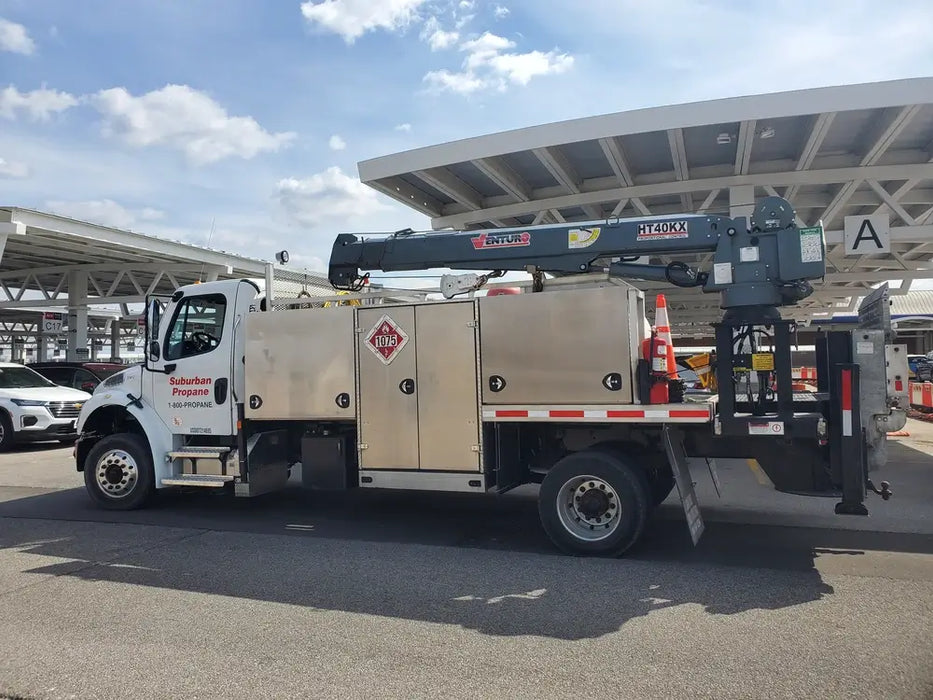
(21, 378)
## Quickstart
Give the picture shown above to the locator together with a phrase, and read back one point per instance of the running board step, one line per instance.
(198, 453)
(206, 480)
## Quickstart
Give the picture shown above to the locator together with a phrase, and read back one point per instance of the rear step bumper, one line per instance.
(203, 480)
(199, 453)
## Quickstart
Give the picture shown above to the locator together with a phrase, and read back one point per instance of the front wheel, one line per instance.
(7, 436)
(118, 472)
(594, 502)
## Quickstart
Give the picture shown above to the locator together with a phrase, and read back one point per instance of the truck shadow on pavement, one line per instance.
(478, 563)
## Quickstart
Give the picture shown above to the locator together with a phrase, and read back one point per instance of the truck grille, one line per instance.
(65, 409)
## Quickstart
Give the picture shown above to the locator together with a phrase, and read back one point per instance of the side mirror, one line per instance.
(152, 330)
(88, 387)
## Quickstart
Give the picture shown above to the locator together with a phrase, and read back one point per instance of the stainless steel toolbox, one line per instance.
(575, 346)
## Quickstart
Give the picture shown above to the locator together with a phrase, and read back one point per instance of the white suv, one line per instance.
(32, 408)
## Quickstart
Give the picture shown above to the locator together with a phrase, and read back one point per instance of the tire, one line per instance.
(118, 472)
(609, 505)
(661, 485)
(653, 465)
(7, 436)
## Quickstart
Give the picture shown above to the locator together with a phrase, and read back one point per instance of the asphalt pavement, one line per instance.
(397, 595)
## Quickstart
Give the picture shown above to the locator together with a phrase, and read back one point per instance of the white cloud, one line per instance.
(186, 119)
(522, 67)
(353, 18)
(467, 4)
(39, 104)
(336, 143)
(489, 65)
(436, 37)
(484, 48)
(105, 212)
(13, 169)
(464, 82)
(501, 12)
(329, 195)
(15, 38)
(403, 127)
(463, 21)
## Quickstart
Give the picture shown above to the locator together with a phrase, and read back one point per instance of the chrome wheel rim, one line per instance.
(589, 508)
(117, 473)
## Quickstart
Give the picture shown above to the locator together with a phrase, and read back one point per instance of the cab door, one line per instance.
(192, 376)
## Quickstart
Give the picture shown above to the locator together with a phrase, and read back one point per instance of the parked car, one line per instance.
(77, 375)
(924, 371)
(32, 408)
(916, 364)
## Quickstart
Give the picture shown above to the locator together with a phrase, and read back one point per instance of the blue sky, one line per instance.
(163, 116)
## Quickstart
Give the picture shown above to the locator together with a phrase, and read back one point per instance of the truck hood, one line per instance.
(47, 393)
(128, 379)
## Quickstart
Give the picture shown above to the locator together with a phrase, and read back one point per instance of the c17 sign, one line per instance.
(52, 323)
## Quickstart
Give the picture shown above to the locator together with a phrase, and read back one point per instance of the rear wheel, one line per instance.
(595, 503)
(118, 472)
(652, 464)
(661, 484)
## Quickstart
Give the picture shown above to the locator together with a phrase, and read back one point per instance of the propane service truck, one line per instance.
(554, 386)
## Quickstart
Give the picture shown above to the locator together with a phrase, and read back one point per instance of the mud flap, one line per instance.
(674, 446)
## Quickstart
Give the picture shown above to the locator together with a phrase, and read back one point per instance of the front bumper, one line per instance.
(61, 431)
(32, 423)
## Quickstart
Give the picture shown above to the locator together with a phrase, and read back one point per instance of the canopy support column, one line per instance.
(77, 316)
(115, 340)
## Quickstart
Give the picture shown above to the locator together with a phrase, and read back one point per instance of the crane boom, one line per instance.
(760, 262)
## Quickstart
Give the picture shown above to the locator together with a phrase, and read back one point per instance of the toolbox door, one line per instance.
(388, 400)
(447, 387)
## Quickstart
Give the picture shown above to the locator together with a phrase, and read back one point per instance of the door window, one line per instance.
(62, 376)
(197, 327)
(84, 380)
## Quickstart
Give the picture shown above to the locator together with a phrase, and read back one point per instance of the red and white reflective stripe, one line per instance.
(847, 402)
(803, 373)
(609, 414)
(921, 394)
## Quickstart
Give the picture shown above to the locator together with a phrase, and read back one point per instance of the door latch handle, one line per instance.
(407, 386)
(220, 390)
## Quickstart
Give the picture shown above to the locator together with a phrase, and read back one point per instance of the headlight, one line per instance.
(27, 402)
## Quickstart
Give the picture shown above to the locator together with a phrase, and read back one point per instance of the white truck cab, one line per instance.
(140, 423)
(34, 409)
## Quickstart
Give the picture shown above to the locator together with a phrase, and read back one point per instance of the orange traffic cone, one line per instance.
(664, 331)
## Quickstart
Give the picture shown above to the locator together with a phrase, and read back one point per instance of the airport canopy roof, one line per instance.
(839, 154)
(44, 258)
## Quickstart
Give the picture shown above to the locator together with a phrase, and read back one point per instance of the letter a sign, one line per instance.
(867, 234)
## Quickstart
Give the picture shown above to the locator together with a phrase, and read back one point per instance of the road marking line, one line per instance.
(759, 472)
